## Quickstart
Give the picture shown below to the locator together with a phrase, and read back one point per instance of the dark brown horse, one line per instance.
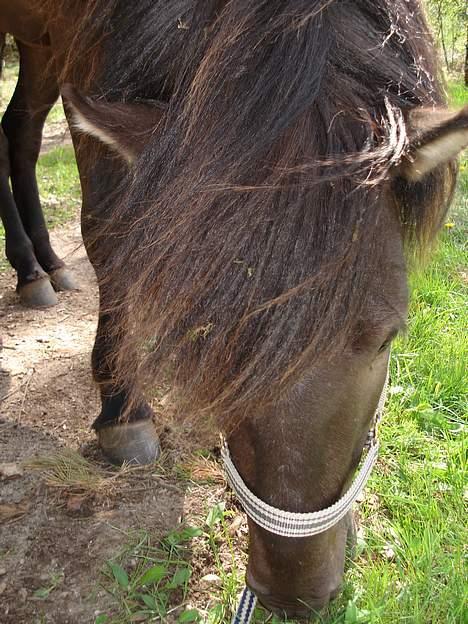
(281, 160)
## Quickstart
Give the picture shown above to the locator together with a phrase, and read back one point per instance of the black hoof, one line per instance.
(133, 443)
(62, 279)
(38, 294)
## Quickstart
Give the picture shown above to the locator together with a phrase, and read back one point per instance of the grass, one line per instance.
(70, 470)
(149, 581)
(457, 93)
(59, 185)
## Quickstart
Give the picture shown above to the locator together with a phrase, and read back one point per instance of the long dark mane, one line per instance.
(245, 237)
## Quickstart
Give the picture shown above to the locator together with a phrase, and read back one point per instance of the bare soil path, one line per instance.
(47, 402)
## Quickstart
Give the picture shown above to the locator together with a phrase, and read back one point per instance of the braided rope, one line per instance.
(246, 607)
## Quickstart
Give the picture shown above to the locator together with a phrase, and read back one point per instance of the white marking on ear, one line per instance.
(429, 156)
(81, 123)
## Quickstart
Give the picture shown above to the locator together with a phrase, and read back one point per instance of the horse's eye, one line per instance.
(384, 346)
(388, 341)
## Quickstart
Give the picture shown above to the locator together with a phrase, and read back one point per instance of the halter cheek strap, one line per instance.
(290, 524)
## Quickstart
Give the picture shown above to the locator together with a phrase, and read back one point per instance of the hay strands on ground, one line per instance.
(68, 470)
(203, 470)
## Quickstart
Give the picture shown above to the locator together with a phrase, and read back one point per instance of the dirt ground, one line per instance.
(48, 402)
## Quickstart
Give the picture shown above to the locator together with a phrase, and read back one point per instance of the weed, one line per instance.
(149, 581)
(56, 579)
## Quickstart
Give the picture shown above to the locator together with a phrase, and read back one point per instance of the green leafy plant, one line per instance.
(149, 581)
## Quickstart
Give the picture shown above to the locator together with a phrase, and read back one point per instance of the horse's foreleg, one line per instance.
(125, 433)
(23, 122)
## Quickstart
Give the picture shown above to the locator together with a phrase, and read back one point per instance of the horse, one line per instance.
(256, 178)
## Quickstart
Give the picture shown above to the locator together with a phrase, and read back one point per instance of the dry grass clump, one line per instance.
(69, 470)
(203, 470)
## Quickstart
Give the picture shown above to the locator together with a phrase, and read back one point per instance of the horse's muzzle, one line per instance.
(299, 608)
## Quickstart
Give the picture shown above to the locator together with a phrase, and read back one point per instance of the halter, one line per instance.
(291, 524)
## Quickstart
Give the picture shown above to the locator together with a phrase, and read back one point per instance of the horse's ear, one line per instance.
(125, 127)
(435, 137)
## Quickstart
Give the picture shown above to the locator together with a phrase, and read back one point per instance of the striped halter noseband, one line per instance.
(290, 524)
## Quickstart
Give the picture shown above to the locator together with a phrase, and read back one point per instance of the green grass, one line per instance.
(148, 580)
(59, 185)
(458, 93)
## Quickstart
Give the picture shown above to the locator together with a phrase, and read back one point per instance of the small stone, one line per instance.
(74, 503)
(389, 553)
(236, 525)
(210, 579)
(10, 470)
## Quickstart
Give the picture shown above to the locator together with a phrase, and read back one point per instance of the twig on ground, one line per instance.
(25, 393)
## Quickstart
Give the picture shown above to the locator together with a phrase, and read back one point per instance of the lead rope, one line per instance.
(246, 607)
(299, 525)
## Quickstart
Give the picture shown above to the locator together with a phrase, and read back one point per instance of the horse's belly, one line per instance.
(19, 19)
